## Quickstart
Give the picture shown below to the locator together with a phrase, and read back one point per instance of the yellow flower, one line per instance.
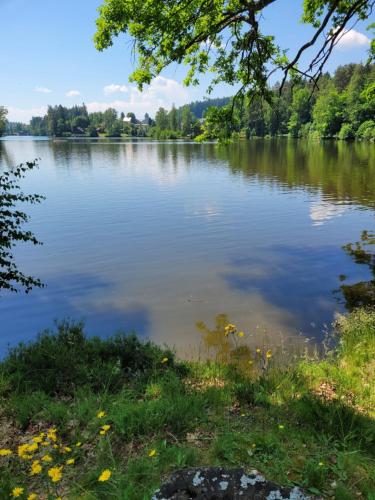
(36, 468)
(55, 446)
(67, 449)
(5, 452)
(164, 360)
(22, 452)
(47, 458)
(104, 429)
(33, 447)
(45, 443)
(70, 461)
(321, 464)
(101, 414)
(32, 496)
(78, 444)
(251, 362)
(229, 329)
(281, 427)
(55, 474)
(152, 453)
(105, 475)
(269, 354)
(51, 435)
(241, 334)
(258, 351)
(17, 492)
(38, 439)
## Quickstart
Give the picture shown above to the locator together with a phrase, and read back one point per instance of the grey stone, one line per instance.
(218, 483)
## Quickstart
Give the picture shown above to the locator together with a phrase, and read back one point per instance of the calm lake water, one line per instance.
(153, 237)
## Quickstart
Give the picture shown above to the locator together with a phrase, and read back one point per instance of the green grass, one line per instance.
(310, 424)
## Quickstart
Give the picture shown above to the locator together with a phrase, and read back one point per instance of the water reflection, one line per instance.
(148, 236)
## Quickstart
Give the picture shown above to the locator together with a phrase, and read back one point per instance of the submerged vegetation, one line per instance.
(121, 414)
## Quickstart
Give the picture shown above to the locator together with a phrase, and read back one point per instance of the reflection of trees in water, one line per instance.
(363, 253)
(341, 171)
(6, 159)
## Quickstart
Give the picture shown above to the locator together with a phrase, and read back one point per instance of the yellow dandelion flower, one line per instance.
(78, 444)
(36, 468)
(37, 439)
(51, 435)
(22, 452)
(33, 447)
(45, 443)
(47, 458)
(164, 360)
(152, 453)
(55, 446)
(269, 354)
(17, 492)
(67, 449)
(241, 334)
(4, 452)
(32, 496)
(55, 473)
(258, 351)
(105, 475)
(70, 461)
(101, 414)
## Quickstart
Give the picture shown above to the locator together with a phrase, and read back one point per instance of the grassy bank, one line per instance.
(111, 418)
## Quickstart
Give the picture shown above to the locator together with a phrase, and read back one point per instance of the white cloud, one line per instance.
(353, 39)
(43, 90)
(24, 115)
(321, 211)
(162, 92)
(115, 89)
(73, 93)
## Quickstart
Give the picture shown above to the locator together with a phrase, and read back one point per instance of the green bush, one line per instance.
(366, 131)
(59, 363)
(347, 132)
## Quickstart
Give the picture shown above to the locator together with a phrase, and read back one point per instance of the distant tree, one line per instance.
(173, 118)
(133, 119)
(11, 221)
(300, 111)
(187, 120)
(3, 114)
(161, 119)
(328, 113)
(109, 118)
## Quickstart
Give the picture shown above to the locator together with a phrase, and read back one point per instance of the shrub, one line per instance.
(366, 131)
(59, 363)
(347, 132)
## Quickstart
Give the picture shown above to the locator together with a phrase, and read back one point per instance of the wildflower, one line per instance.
(33, 447)
(55, 473)
(22, 452)
(229, 329)
(101, 414)
(38, 439)
(55, 446)
(241, 334)
(36, 468)
(17, 492)
(70, 461)
(47, 458)
(45, 443)
(67, 449)
(258, 351)
(104, 429)
(254, 445)
(281, 427)
(251, 362)
(164, 360)
(5, 452)
(51, 435)
(78, 444)
(269, 354)
(105, 475)
(152, 453)
(32, 496)
(321, 464)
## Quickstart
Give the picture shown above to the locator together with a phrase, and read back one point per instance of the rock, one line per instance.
(218, 483)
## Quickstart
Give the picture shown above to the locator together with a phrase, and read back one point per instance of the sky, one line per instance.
(47, 56)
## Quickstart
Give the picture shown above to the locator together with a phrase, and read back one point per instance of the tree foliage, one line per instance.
(224, 37)
(11, 222)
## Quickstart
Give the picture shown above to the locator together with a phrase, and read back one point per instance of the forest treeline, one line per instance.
(343, 107)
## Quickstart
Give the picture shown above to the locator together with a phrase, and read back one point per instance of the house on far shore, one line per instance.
(127, 119)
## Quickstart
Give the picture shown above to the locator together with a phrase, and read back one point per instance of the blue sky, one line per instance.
(47, 56)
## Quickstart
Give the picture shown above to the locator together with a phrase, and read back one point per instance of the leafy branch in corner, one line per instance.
(11, 232)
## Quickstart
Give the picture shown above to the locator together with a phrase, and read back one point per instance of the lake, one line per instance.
(153, 237)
